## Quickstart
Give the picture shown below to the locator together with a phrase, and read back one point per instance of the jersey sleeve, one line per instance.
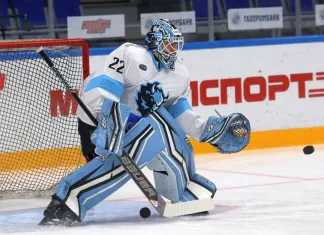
(109, 84)
(181, 110)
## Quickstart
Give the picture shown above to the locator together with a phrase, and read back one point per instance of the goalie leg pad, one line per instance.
(176, 154)
(102, 176)
(174, 170)
(166, 177)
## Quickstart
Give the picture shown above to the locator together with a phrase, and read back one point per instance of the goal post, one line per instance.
(39, 141)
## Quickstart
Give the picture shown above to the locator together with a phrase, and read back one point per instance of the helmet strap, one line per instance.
(157, 56)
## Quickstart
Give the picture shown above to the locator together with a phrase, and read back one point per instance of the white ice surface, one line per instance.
(259, 192)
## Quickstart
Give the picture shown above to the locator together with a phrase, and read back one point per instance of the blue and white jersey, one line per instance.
(133, 76)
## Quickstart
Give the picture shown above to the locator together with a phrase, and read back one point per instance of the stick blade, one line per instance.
(186, 208)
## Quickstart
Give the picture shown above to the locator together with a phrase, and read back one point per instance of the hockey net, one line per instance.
(39, 141)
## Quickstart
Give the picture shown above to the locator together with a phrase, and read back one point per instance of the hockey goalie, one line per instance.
(141, 104)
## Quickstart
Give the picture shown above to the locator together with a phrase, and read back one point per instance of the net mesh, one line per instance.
(39, 141)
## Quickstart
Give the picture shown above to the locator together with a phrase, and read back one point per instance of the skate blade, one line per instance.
(50, 222)
(203, 213)
(46, 222)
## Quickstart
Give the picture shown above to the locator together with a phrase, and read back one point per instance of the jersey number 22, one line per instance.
(115, 65)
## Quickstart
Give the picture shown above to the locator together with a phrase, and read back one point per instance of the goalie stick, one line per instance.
(162, 205)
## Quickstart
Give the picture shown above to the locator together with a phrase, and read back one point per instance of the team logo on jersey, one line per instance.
(150, 97)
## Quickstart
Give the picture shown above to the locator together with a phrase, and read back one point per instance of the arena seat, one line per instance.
(306, 6)
(236, 4)
(201, 8)
(269, 3)
(33, 8)
(65, 8)
(4, 12)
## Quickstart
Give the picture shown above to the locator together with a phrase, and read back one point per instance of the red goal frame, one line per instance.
(52, 43)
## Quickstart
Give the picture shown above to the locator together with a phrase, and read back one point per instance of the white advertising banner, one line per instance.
(255, 18)
(185, 21)
(276, 86)
(319, 14)
(102, 26)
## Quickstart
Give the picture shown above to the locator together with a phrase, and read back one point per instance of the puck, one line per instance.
(308, 149)
(145, 212)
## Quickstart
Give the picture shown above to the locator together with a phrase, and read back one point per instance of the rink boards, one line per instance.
(277, 83)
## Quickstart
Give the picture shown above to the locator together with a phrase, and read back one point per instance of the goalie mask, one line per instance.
(165, 41)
